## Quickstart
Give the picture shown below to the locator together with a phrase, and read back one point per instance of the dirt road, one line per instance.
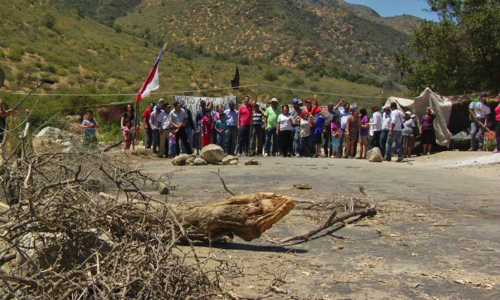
(436, 235)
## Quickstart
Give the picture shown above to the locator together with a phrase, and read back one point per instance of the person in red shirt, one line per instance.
(245, 114)
(149, 132)
(497, 119)
(206, 128)
(313, 110)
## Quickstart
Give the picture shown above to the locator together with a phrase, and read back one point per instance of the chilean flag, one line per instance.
(152, 83)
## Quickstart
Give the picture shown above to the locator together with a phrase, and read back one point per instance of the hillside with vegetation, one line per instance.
(103, 57)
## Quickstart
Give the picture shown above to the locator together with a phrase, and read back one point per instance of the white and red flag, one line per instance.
(152, 82)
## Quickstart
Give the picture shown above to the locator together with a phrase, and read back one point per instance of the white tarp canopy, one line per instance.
(439, 104)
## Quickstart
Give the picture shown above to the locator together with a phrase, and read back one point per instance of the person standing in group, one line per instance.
(232, 128)
(220, 128)
(352, 132)
(327, 135)
(479, 112)
(408, 135)
(128, 133)
(386, 127)
(178, 120)
(427, 131)
(319, 130)
(164, 129)
(190, 128)
(153, 124)
(343, 110)
(216, 117)
(257, 135)
(305, 132)
(313, 112)
(363, 133)
(199, 116)
(149, 132)
(336, 131)
(285, 131)
(172, 144)
(89, 126)
(271, 118)
(395, 133)
(3, 123)
(206, 129)
(497, 120)
(129, 114)
(244, 125)
(296, 112)
(376, 126)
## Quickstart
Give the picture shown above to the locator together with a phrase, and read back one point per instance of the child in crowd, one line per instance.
(128, 133)
(336, 135)
(220, 128)
(172, 150)
(318, 132)
(90, 126)
(206, 128)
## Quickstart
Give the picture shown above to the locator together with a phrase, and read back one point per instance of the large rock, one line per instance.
(190, 161)
(375, 155)
(180, 160)
(199, 162)
(212, 154)
(55, 139)
(230, 160)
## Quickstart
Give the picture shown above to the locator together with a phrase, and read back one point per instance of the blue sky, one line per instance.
(389, 8)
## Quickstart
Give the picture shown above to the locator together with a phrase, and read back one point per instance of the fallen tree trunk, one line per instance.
(246, 216)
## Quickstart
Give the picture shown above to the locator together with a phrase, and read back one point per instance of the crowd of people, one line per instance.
(287, 130)
(340, 131)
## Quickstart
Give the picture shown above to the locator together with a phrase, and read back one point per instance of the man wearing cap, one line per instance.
(296, 112)
(232, 128)
(271, 121)
(153, 123)
(164, 129)
(386, 127)
(178, 120)
(395, 133)
(479, 112)
(244, 124)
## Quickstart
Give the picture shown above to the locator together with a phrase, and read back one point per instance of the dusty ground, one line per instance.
(435, 236)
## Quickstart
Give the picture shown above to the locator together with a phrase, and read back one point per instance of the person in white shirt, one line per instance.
(343, 110)
(395, 133)
(479, 112)
(376, 127)
(164, 129)
(386, 127)
(153, 123)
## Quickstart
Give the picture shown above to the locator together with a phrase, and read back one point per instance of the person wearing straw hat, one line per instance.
(408, 134)
(271, 121)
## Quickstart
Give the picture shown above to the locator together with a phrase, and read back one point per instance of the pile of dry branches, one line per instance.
(60, 239)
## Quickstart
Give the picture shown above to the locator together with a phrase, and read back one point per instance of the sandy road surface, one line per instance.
(445, 248)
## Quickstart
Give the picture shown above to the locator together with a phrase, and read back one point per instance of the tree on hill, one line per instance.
(461, 53)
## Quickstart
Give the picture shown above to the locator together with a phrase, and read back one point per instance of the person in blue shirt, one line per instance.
(318, 132)
(232, 128)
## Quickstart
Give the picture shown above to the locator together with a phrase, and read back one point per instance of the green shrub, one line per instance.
(270, 76)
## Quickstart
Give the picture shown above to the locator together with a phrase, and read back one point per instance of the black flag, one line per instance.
(235, 83)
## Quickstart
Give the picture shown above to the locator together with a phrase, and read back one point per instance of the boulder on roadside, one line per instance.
(56, 140)
(212, 154)
(163, 188)
(230, 160)
(180, 160)
(375, 155)
(190, 161)
(200, 162)
(252, 162)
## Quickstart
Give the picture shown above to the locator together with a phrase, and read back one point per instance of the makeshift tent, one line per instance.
(418, 105)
